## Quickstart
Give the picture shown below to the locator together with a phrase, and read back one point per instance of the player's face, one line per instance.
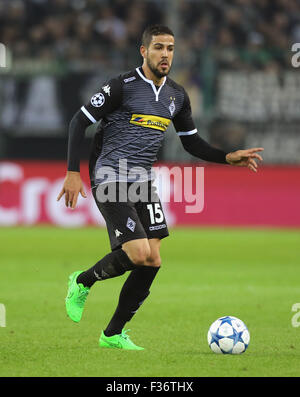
(159, 55)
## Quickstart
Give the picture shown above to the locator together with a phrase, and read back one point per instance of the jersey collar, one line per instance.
(156, 91)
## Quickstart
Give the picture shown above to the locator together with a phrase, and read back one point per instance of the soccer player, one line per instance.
(135, 110)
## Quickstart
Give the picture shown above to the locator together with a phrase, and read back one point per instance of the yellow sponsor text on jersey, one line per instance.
(150, 121)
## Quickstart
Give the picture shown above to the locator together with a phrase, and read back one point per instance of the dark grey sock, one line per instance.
(134, 291)
(112, 265)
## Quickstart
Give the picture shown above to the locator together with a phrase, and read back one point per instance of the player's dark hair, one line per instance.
(154, 30)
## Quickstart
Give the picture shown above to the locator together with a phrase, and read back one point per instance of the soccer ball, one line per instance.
(228, 335)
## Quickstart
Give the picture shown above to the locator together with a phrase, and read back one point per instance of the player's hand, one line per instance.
(72, 187)
(245, 158)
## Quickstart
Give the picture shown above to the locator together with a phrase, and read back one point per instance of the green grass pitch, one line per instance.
(206, 273)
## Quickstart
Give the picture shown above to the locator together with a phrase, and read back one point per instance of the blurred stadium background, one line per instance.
(233, 57)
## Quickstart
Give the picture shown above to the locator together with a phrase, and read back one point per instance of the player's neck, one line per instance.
(151, 76)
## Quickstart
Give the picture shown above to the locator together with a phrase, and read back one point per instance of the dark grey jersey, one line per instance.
(135, 115)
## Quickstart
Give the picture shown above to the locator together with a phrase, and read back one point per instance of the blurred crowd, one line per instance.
(236, 33)
(72, 30)
(242, 34)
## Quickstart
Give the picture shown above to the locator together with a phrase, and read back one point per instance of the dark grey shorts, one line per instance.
(131, 220)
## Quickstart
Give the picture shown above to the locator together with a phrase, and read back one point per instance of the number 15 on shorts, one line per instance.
(155, 212)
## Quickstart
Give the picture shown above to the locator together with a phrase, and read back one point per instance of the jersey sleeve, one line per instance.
(105, 101)
(183, 121)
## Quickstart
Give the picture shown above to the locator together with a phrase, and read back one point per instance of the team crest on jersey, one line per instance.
(150, 121)
(172, 106)
(130, 224)
(98, 100)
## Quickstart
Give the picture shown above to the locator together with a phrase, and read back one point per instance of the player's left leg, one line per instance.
(137, 286)
(134, 291)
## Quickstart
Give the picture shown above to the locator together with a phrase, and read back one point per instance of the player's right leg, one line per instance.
(111, 265)
(123, 225)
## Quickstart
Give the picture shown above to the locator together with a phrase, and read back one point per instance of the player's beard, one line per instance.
(155, 70)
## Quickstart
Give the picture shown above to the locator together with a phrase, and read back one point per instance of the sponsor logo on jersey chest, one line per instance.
(150, 121)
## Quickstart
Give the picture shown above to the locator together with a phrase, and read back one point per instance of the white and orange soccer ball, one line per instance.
(228, 335)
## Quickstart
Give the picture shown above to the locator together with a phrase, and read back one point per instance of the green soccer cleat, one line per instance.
(76, 297)
(120, 341)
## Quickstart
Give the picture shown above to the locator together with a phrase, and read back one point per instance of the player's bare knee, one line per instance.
(154, 261)
(139, 255)
(137, 251)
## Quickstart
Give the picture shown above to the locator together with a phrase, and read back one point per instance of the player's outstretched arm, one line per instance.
(245, 158)
(198, 147)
